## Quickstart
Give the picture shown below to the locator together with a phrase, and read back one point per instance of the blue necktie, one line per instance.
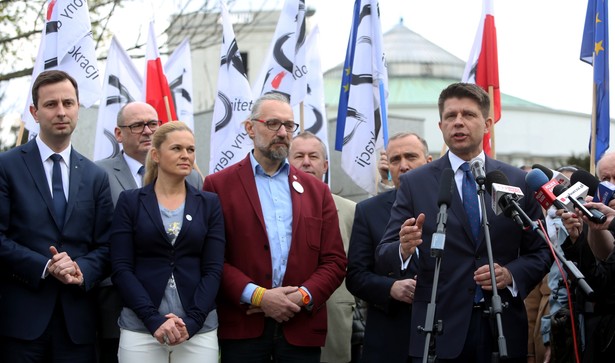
(470, 201)
(141, 173)
(470, 204)
(59, 199)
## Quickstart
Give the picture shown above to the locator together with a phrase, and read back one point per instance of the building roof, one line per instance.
(418, 70)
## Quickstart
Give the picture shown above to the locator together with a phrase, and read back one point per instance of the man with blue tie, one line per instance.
(55, 214)
(521, 259)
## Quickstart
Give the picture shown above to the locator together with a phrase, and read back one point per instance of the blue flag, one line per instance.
(342, 107)
(595, 51)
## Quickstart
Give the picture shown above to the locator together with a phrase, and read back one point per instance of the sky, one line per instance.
(538, 41)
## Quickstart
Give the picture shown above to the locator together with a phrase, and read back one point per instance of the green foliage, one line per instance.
(581, 160)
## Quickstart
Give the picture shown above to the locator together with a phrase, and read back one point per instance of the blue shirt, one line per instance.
(277, 208)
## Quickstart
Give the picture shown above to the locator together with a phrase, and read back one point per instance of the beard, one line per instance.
(276, 150)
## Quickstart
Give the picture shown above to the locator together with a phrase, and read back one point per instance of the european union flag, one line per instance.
(595, 51)
(342, 107)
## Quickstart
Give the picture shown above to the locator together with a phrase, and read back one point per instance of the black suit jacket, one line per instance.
(387, 331)
(143, 258)
(522, 252)
(28, 227)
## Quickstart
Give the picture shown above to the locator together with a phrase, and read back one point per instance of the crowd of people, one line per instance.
(138, 258)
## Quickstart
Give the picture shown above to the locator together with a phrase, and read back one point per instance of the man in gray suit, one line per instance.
(136, 123)
(308, 153)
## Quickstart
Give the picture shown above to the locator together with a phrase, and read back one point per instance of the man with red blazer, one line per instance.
(284, 253)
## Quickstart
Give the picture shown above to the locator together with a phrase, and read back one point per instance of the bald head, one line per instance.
(135, 144)
(605, 169)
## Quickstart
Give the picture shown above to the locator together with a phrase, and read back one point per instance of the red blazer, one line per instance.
(316, 258)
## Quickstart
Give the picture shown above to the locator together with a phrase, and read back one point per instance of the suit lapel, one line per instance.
(148, 199)
(295, 198)
(246, 177)
(32, 160)
(456, 204)
(191, 209)
(122, 173)
(75, 176)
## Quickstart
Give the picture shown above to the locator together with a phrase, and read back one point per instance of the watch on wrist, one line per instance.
(305, 297)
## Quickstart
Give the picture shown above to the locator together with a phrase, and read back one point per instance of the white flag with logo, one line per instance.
(229, 141)
(178, 70)
(366, 112)
(67, 45)
(285, 69)
(122, 84)
(314, 112)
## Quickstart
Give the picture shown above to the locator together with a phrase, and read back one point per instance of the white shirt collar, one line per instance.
(46, 151)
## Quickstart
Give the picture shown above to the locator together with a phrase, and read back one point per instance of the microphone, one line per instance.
(478, 170)
(542, 187)
(553, 174)
(445, 195)
(576, 196)
(604, 193)
(504, 196)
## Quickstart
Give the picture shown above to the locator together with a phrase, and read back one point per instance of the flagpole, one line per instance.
(167, 107)
(22, 126)
(492, 115)
(301, 125)
(592, 147)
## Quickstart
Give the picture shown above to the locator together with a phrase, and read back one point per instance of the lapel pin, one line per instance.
(189, 217)
(298, 187)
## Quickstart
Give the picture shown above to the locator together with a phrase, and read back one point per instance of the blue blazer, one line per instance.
(387, 331)
(522, 252)
(28, 227)
(143, 258)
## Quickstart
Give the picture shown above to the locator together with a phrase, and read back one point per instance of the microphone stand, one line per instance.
(496, 300)
(430, 329)
(572, 270)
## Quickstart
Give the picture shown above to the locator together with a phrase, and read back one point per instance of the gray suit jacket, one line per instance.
(121, 179)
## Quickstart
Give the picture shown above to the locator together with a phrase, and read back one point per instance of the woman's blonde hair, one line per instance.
(151, 167)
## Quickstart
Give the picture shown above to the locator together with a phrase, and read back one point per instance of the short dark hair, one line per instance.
(51, 77)
(465, 90)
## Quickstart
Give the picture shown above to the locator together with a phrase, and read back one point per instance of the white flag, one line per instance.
(366, 112)
(314, 112)
(285, 69)
(122, 84)
(229, 141)
(178, 70)
(67, 44)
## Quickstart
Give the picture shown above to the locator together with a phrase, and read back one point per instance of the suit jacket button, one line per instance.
(266, 247)
(268, 277)
(172, 263)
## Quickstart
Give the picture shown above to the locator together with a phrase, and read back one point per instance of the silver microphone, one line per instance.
(478, 170)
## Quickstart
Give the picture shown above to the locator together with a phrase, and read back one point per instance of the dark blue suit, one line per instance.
(387, 332)
(28, 227)
(143, 257)
(523, 253)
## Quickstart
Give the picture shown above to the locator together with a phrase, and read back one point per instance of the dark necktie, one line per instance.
(59, 199)
(470, 204)
(470, 201)
(141, 173)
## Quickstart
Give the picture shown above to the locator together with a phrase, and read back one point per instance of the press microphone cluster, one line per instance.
(505, 198)
(445, 194)
(604, 193)
(542, 187)
(553, 175)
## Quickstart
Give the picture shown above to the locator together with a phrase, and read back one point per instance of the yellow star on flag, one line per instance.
(598, 47)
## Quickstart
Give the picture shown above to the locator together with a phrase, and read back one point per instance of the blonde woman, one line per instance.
(167, 251)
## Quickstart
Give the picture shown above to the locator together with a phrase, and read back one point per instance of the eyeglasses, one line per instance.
(138, 127)
(274, 125)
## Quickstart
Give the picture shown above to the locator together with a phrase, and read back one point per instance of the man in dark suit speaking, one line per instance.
(55, 214)
(464, 289)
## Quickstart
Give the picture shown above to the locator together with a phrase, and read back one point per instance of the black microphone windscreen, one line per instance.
(559, 189)
(446, 187)
(495, 176)
(587, 179)
(548, 172)
(535, 179)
